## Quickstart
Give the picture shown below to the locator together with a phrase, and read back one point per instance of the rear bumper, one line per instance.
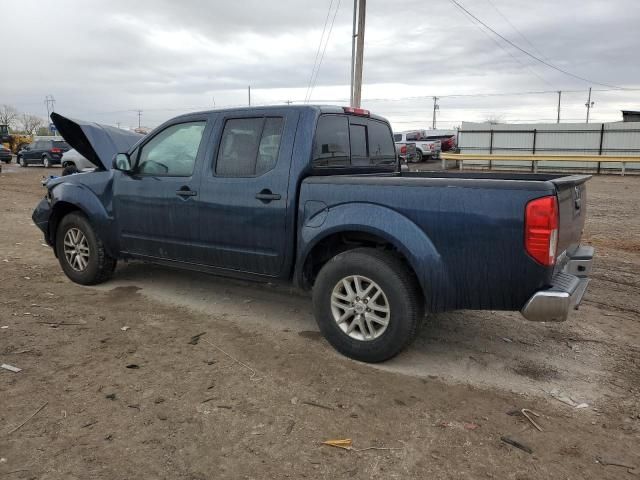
(566, 292)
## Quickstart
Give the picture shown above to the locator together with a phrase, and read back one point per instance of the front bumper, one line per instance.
(566, 292)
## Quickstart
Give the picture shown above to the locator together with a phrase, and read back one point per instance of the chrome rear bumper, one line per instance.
(568, 288)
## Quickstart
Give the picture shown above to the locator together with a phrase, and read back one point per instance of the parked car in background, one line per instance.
(425, 149)
(73, 162)
(5, 154)
(448, 138)
(45, 152)
(313, 195)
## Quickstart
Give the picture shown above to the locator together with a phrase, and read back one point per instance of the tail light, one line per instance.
(356, 111)
(541, 229)
(55, 150)
(403, 150)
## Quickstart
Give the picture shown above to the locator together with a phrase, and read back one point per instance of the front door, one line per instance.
(156, 205)
(244, 189)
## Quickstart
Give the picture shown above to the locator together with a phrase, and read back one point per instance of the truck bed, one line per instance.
(473, 222)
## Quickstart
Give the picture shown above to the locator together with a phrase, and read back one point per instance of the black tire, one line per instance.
(99, 267)
(46, 161)
(69, 170)
(22, 162)
(418, 158)
(399, 285)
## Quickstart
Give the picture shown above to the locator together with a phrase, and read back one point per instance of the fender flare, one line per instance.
(407, 237)
(84, 200)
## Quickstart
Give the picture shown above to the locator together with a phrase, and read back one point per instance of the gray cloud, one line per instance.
(102, 60)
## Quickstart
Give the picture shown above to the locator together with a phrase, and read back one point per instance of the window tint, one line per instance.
(359, 154)
(397, 137)
(331, 148)
(381, 147)
(60, 144)
(412, 137)
(249, 146)
(173, 151)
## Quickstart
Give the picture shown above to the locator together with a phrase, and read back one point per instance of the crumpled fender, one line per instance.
(389, 225)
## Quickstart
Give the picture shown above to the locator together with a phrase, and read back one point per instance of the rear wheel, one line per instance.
(81, 253)
(418, 157)
(22, 162)
(367, 304)
(46, 161)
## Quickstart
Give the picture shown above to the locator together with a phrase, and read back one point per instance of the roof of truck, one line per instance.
(318, 108)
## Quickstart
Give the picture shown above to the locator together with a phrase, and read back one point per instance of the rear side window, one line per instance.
(343, 141)
(412, 137)
(59, 144)
(397, 137)
(381, 148)
(331, 147)
(249, 146)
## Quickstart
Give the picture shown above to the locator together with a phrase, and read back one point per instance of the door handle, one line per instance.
(185, 192)
(267, 196)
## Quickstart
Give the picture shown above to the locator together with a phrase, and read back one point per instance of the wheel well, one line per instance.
(334, 244)
(60, 210)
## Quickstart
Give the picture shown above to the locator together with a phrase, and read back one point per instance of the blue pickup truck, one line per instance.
(314, 195)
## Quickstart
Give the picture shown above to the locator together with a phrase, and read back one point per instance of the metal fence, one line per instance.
(615, 139)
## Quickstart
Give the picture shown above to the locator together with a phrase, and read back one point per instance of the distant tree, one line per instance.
(43, 132)
(8, 115)
(30, 123)
(494, 119)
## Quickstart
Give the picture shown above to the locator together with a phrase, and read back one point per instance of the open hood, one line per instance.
(97, 143)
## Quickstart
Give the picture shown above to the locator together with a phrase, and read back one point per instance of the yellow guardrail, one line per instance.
(535, 159)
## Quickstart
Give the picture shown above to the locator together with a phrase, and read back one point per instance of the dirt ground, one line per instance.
(258, 392)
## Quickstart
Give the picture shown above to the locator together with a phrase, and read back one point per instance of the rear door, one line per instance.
(244, 192)
(156, 206)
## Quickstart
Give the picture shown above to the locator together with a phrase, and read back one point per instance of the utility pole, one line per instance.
(589, 104)
(559, 97)
(139, 117)
(358, 41)
(435, 108)
(51, 105)
(249, 87)
(118, 124)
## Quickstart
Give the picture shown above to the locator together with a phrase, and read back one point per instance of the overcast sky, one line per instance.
(103, 60)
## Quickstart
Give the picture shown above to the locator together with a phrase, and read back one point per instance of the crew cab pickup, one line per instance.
(314, 195)
(425, 149)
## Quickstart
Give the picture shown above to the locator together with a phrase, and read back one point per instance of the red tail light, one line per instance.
(541, 229)
(55, 150)
(403, 149)
(356, 111)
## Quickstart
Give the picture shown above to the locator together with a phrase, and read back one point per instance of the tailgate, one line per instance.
(572, 205)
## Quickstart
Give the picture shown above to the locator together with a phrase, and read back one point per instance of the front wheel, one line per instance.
(367, 304)
(81, 253)
(22, 162)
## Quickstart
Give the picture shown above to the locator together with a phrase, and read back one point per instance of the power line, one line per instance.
(315, 61)
(315, 80)
(516, 29)
(504, 49)
(529, 54)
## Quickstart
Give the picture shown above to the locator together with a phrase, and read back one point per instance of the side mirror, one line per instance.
(122, 162)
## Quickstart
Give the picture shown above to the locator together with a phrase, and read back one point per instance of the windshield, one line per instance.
(4, 129)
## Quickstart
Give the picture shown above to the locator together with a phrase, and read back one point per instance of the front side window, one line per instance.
(173, 151)
(397, 137)
(249, 146)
